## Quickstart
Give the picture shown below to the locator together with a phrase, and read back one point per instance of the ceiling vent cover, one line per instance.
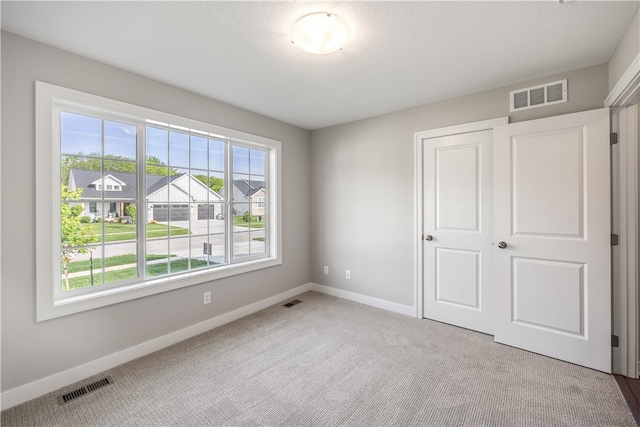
(538, 96)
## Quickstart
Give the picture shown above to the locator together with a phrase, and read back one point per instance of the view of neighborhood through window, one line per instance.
(141, 200)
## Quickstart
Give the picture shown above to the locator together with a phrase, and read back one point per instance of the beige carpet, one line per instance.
(329, 361)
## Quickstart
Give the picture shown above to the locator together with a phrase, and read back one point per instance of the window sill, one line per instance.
(79, 303)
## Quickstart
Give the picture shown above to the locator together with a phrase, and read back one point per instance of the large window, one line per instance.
(143, 202)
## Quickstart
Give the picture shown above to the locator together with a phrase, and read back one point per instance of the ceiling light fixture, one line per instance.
(320, 33)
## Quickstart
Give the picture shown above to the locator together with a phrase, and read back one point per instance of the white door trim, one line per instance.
(626, 90)
(625, 256)
(625, 262)
(418, 195)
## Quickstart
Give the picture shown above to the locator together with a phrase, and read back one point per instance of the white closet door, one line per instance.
(552, 210)
(457, 227)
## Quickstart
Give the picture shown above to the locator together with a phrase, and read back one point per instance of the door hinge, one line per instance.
(613, 138)
(615, 341)
(614, 240)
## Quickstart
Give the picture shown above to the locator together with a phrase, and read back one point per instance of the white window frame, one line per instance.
(48, 270)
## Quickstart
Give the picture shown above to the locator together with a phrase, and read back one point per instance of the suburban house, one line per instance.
(250, 192)
(178, 197)
(469, 167)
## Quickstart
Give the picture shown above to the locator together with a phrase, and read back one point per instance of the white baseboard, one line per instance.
(46, 385)
(407, 310)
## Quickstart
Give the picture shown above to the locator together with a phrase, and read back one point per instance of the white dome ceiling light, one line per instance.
(320, 33)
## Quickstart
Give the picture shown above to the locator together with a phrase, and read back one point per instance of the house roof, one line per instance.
(248, 187)
(155, 182)
(86, 179)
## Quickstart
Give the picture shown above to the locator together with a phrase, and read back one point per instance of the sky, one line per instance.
(82, 135)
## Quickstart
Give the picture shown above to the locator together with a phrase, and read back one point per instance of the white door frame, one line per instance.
(623, 101)
(418, 184)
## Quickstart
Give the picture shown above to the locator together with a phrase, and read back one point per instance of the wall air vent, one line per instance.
(538, 96)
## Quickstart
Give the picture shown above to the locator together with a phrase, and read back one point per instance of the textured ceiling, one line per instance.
(400, 55)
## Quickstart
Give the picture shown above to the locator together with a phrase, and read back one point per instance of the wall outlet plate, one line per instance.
(207, 297)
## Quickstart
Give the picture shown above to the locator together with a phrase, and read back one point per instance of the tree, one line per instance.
(216, 183)
(131, 211)
(74, 237)
(212, 182)
(111, 164)
(157, 167)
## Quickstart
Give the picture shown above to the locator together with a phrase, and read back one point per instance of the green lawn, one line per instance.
(115, 232)
(239, 221)
(75, 266)
(130, 273)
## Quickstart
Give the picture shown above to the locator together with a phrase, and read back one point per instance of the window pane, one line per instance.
(157, 257)
(216, 183)
(179, 260)
(198, 152)
(241, 245)
(157, 195)
(179, 222)
(240, 156)
(80, 134)
(241, 224)
(178, 149)
(82, 269)
(157, 146)
(200, 224)
(120, 140)
(216, 155)
(120, 261)
(69, 163)
(257, 162)
(258, 204)
(156, 229)
(218, 243)
(78, 234)
(241, 187)
(119, 182)
(201, 252)
(258, 242)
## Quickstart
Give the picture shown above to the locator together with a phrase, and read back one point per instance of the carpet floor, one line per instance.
(330, 362)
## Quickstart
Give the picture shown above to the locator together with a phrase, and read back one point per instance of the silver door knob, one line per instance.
(429, 237)
(502, 245)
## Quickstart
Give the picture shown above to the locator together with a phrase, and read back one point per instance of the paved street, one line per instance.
(201, 232)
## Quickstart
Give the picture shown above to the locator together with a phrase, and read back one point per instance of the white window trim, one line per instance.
(48, 206)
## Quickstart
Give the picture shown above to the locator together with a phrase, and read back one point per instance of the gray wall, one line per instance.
(627, 50)
(30, 350)
(362, 179)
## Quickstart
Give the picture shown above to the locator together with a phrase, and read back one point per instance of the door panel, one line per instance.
(458, 277)
(534, 280)
(548, 180)
(457, 215)
(457, 168)
(552, 209)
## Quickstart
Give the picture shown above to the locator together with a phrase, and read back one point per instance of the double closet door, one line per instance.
(516, 224)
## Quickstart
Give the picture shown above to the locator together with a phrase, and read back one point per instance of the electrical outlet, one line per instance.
(348, 274)
(326, 269)
(207, 297)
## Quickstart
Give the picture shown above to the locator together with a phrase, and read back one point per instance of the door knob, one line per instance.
(502, 245)
(429, 237)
